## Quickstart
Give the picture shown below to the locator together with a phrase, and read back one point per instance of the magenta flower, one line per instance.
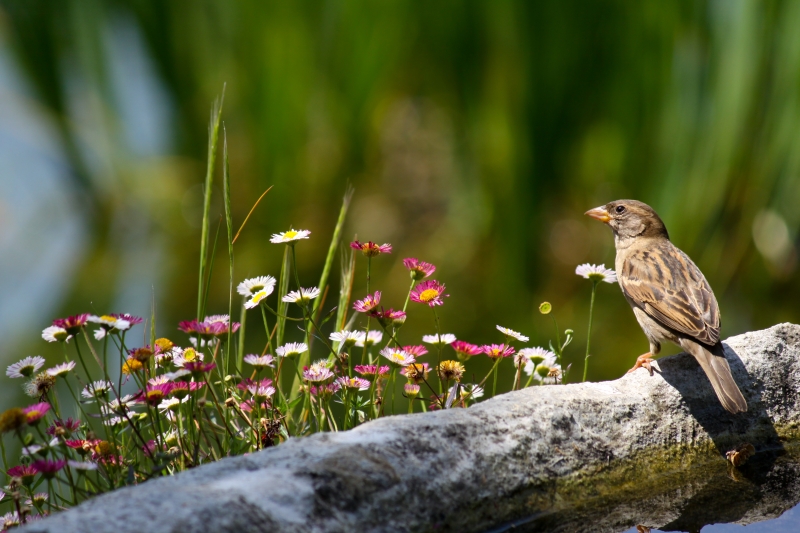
(416, 350)
(72, 324)
(371, 370)
(132, 320)
(212, 326)
(389, 317)
(495, 351)
(369, 303)
(353, 383)
(36, 411)
(429, 292)
(326, 391)
(199, 367)
(64, 427)
(24, 472)
(465, 349)
(48, 468)
(155, 393)
(418, 269)
(370, 249)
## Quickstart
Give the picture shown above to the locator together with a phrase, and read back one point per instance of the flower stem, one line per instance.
(589, 334)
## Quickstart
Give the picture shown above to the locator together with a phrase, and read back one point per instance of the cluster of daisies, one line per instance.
(167, 408)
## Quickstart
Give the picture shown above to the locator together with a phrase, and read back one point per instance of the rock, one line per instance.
(594, 456)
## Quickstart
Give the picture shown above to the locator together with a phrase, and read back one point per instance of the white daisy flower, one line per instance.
(62, 369)
(110, 322)
(114, 421)
(99, 334)
(177, 375)
(189, 355)
(513, 334)
(318, 372)
(203, 342)
(347, 338)
(290, 236)
(165, 358)
(55, 334)
(303, 296)
(170, 404)
(373, 337)
(256, 299)
(80, 465)
(397, 356)
(259, 361)
(98, 388)
(596, 273)
(445, 338)
(533, 357)
(223, 319)
(26, 367)
(250, 287)
(471, 390)
(291, 348)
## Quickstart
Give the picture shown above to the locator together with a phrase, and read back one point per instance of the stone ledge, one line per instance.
(522, 454)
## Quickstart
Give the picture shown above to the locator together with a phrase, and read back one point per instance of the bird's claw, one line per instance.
(644, 361)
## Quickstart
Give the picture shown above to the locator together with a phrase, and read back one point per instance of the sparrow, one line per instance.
(669, 295)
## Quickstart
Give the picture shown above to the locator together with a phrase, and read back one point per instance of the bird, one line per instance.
(669, 295)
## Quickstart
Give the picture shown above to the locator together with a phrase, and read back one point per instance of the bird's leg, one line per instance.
(643, 361)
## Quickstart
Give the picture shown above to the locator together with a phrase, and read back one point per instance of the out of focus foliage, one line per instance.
(475, 133)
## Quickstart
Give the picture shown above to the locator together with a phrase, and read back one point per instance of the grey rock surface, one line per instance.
(530, 459)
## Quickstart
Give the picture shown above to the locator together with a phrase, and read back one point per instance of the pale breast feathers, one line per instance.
(669, 287)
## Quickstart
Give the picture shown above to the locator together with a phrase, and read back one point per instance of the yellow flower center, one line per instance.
(428, 294)
(291, 234)
(260, 295)
(108, 318)
(400, 357)
(189, 355)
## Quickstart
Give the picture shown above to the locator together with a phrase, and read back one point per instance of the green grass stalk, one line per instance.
(213, 136)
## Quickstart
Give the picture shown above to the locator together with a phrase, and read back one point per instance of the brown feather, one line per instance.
(719, 374)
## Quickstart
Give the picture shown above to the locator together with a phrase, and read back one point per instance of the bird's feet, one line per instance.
(643, 361)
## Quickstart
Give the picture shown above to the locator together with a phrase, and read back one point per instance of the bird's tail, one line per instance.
(719, 374)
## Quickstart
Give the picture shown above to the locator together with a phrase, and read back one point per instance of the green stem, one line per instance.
(589, 334)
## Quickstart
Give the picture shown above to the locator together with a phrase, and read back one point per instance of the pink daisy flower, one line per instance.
(429, 292)
(48, 468)
(199, 367)
(416, 350)
(411, 390)
(72, 324)
(371, 370)
(36, 411)
(418, 269)
(64, 427)
(389, 317)
(24, 472)
(353, 383)
(466, 349)
(370, 249)
(369, 303)
(495, 351)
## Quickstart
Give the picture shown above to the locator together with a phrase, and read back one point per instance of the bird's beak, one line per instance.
(599, 213)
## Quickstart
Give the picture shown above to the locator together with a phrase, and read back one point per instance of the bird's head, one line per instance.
(629, 219)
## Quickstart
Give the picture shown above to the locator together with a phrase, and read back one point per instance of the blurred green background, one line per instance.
(475, 134)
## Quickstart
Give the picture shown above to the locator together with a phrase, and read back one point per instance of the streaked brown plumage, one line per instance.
(669, 295)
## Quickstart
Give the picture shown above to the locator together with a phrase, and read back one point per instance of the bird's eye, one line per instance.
(620, 209)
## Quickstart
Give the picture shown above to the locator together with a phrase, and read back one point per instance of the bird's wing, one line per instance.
(669, 287)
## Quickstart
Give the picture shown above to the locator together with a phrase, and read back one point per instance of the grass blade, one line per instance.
(337, 233)
(213, 136)
(226, 192)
